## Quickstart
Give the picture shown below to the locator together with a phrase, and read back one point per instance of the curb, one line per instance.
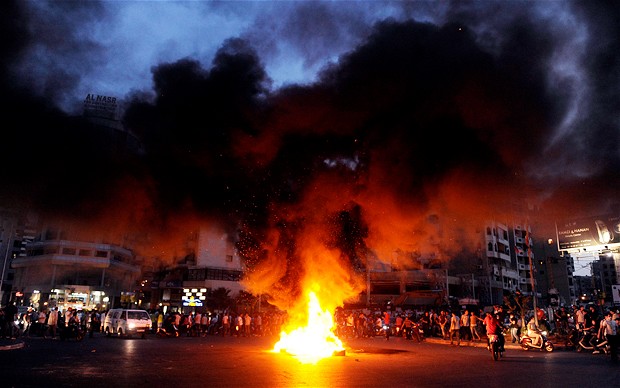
(12, 346)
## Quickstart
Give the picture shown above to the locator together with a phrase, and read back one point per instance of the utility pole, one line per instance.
(532, 282)
(7, 240)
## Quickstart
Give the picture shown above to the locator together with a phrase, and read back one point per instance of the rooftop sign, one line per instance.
(592, 232)
(96, 105)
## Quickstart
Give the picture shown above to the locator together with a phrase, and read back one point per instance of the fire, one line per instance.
(316, 340)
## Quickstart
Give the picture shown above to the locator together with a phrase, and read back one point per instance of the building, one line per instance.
(516, 259)
(17, 229)
(501, 270)
(555, 279)
(57, 271)
(604, 273)
(211, 263)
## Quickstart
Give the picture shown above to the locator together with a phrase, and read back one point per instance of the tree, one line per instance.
(245, 300)
(220, 298)
(517, 304)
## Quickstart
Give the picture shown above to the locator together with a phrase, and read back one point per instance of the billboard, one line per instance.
(615, 291)
(590, 232)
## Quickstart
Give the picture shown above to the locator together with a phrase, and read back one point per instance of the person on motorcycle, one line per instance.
(534, 332)
(407, 328)
(168, 325)
(493, 327)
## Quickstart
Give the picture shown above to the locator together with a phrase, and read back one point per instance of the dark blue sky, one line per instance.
(421, 98)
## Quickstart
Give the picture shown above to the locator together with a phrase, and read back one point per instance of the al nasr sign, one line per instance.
(96, 105)
(591, 232)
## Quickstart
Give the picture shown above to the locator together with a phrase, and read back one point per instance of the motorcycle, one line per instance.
(71, 332)
(587, 341)
(494, 346)
(572, 339)
(527, 343)
(164, 332)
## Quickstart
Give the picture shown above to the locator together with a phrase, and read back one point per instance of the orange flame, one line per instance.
(315, 341)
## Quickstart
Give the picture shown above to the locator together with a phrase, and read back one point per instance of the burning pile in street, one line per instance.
(314, 339)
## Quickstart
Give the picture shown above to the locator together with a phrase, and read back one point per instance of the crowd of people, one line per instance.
(583, 325)
(468, 324)
(46, 322)
(223, 324)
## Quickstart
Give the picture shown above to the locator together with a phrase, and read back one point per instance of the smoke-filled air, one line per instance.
(401, 127)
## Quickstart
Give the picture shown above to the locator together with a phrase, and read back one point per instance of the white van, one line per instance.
(127, 322)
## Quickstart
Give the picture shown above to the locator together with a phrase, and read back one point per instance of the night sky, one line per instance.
(370, 126)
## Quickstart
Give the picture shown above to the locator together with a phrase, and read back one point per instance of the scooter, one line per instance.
(527, 343)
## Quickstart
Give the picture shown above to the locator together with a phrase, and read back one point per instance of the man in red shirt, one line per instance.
(493, 326)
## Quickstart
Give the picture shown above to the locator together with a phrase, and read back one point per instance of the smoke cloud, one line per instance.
(406, 142)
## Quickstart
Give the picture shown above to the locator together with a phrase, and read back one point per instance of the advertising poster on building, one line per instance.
(615, 290)
(591, 232)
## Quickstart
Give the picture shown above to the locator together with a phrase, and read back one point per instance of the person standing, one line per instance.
(225, 324)
(514, 328)
(41, 324)
(52, 322)
(473, 326)
(455, 329)
(608, 330)
(465, 325)
(386, 324)
(204, 324)
(95, 323)
(247, 325)
(258, 325)
(443, 322)
(160, 319)
(580, 314)
(9, 318)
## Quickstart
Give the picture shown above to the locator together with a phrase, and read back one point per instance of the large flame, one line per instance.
(316, 340)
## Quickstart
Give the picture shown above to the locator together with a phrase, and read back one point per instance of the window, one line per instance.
(196, 274)
(68, 251)
(101, 254)
(50, 251)
(229, 258)
(85, 252)
(488, 231)
(222, 274)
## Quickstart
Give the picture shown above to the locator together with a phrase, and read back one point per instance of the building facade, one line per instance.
(59, 272)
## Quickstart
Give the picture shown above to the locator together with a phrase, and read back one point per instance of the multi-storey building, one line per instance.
(516, 259)
(555, 280)
(604, 273)
(503, 268)
(17, 229)
(211, 263)
(60, 272)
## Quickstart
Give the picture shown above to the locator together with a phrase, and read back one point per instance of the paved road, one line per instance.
(247, 362)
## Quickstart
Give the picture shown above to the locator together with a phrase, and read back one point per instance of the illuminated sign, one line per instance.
(591, 232)
(194, 297)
